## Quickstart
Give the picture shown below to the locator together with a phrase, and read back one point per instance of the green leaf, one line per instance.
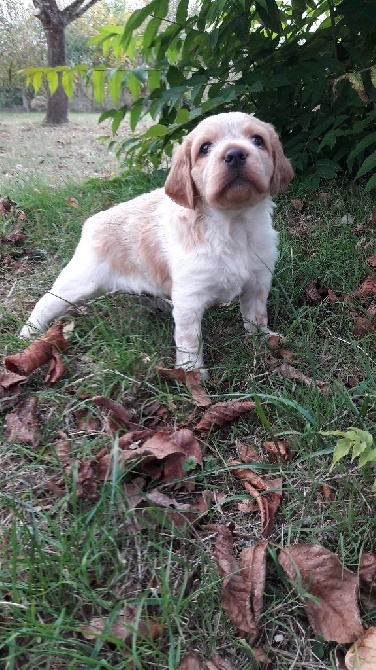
(371, 183)
(37, 78)
(136, 112)
(368, 456)
(358, 449)
(182, 11)
(150, 32)
(361, 146)
(158, 130)
(99, 78)
(154, 79)
(367, 165)
(117, 119)
(115, 84)
(160, 7)
(341, 449)
(134, 85)
(67, 81)
(53, 80)
(326, 168)
(117, 46)
(182, 116)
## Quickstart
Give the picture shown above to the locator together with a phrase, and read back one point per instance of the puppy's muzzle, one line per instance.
(235, 158)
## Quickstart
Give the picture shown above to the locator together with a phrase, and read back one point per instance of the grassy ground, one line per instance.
(31, 152)
(65, 559)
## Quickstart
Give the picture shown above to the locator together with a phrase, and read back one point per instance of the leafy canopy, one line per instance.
(307, 66)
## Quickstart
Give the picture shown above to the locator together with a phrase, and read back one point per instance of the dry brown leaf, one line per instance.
(218, 663)
(336, 616)
(9, 387)
(274, 341)
(120, 417)
(85, 421)
(191, 379)
(126, 624)
(62, 449)
(367, 580)
(56, 368)
(262, 657)
(163, 454)
(193, 662)
(135, 438)
(267, 493)
(73, 202)
(155, 413)
(268, 502)
(6, 204)
(286, 355)
(38, 352)
(181, 514)
(367, 289)
(371, 260)
(224, 412)
(55, 489)
(247, 507)
(86, 479)
(327, 492)
(312, 291)
(278, 451)
(362, 654)
(248, 453)
(297, 204)
(293, 374)
(363, 326)
(244, 580)
(15, 237)
(21, 423)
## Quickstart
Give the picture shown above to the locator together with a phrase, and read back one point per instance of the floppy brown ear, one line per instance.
(283, 172)
(179, 185)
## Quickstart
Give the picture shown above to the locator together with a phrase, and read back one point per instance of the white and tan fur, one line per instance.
(204, 239)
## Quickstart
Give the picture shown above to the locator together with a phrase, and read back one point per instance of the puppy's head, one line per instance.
(229, 161)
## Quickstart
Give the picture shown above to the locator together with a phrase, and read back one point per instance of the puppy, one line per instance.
(204, 239)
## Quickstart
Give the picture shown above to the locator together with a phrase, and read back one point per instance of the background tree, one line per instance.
(21, 42)
(54, 22)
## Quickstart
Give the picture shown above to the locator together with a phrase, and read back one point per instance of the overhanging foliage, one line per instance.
(307, 66)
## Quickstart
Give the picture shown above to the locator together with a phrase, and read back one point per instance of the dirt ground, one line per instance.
(31, 151)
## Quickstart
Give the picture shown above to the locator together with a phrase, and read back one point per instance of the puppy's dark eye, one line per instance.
(205, 148)
(257, 140)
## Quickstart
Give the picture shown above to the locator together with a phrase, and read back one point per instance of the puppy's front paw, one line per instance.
(28, 331)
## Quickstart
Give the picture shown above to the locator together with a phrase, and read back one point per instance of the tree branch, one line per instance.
(76, 9)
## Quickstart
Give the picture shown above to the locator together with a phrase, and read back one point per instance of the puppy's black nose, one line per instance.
(235, 157)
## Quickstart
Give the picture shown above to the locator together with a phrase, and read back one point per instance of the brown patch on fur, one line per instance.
(151, 255)
(179, 185)
(127, 237)
(283, 172)
(191, 229)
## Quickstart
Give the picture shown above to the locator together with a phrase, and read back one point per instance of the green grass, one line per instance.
(65, 560)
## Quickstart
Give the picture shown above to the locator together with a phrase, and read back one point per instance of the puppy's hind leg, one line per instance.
(84, 277)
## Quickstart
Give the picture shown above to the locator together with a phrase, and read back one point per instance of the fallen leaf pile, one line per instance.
(244, 581)
(20, 366)
(157, 463)
(364, 323)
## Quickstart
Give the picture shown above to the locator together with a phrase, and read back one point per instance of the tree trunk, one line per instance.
(54, 22)
(57, 103)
